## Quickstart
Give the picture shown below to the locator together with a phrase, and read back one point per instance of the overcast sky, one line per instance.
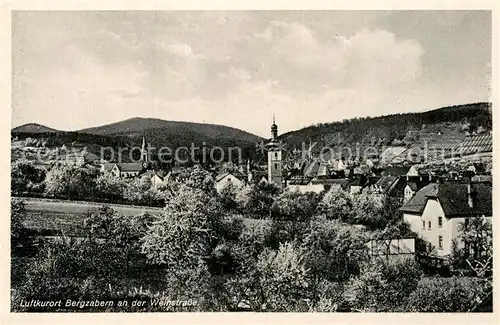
(79, 69)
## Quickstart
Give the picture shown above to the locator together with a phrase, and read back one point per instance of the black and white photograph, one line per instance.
(259, 161)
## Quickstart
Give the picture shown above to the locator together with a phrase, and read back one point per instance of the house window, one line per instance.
(276, 155)
(429, 225)
(440, 242)
(275, 166)
(440, 222)
(423, 225)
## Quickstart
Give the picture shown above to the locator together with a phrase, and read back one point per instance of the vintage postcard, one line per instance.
(251, 161)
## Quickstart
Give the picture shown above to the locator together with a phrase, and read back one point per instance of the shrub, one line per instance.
(455, 294)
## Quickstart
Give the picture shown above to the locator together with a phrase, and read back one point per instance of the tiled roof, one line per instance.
(299, 181)
(413, 186)
(330, 181)
(453, 198)
(385, 182)
(130, 167)
(477, 143)
(221, 176)
(396, 171)
(312, 168)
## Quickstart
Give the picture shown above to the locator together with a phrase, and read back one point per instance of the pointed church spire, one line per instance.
(274, 129)
(144, 149)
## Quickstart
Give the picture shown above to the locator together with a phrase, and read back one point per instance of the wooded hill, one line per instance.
(397, 129)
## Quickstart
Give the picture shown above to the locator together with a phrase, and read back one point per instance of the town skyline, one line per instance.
(116, 66)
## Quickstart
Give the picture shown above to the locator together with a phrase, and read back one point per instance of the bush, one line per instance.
(455, 294)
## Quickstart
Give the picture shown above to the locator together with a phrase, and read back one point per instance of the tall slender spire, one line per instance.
(274, 129)
(144, 148)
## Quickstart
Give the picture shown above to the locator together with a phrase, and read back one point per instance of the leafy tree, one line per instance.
(109, 186)
(137, 192)
(277, 282)
(477, 238)
(145, 182)
(383, 286)
(256, 201)
(118, 233)
(294, 206)
(181, 238)
(201, 179)
(19, 235)
(333, 251)
(291, 214)
(368, 210)
(25, 176)
(336, 204)
(227, 197)
(455, 294)
(68, 182)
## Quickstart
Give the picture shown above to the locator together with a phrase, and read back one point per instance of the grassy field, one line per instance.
(46, 215)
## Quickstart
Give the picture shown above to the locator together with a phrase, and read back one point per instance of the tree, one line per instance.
(25, 176)
(19, 236)
(368, 210)
(383, 286)
(201, 179)
(181, 238)
(137, 192)
(109, 186)
(68, 182)
(291, 214)
(477, 238)
(256, 200)
(336, 204)
(278, 281)
(455, 294)
(333, 250)
(227, 197)
(117, 233)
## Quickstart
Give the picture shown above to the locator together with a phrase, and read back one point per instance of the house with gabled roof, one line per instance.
(231, 177)
(122, 169)
(437, 210)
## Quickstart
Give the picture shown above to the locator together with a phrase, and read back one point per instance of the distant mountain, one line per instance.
(447, 123)
(174, 134)
(33, 128)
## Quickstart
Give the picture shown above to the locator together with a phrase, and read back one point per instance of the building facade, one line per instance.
(438, 210)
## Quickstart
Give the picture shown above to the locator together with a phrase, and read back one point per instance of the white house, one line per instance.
(409, 191)
(224, 179)
(437, 210)
(122, 169)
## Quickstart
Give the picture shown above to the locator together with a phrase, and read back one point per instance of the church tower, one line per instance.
(144, 149)
(274, 158)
